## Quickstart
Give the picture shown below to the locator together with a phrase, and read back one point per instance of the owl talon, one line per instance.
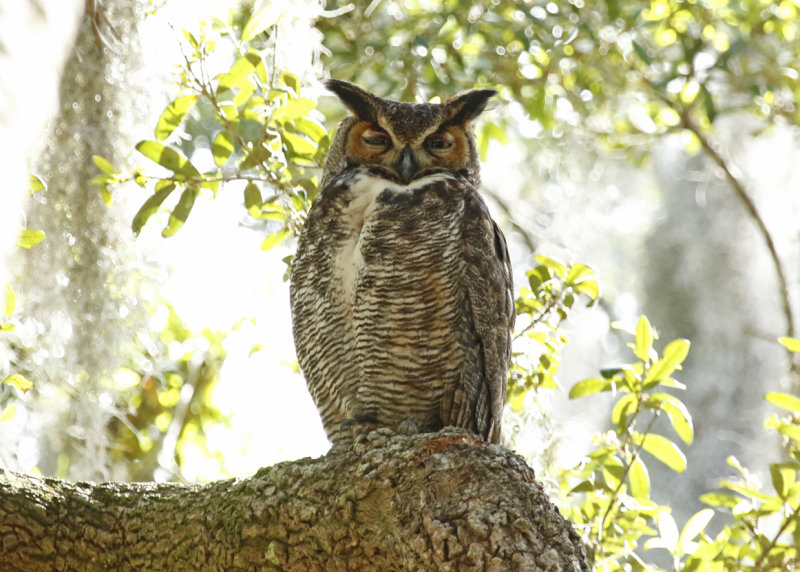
(358, 429)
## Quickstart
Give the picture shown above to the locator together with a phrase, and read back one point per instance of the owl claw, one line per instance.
(357, 429)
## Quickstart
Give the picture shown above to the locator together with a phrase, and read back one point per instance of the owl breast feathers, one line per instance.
(401, 289)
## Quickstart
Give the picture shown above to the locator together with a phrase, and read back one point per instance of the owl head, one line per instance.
(405, 141)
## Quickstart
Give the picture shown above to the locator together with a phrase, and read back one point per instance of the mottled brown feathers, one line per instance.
(401, 286)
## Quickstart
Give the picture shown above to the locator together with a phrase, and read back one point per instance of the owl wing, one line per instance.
(476, 400)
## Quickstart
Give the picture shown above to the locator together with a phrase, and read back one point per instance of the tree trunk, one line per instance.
(442, 501)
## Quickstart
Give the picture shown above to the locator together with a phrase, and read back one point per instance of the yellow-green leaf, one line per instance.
(252, 196)
(665, 451)
(103, 164)
(18, 381)
(180, 213)
(172, 116)
(678, 414)
(222, 148)
(644, 339)
(30, 238)
(639, 480)
(35, 184)
(265, 18)
(694, 526)
(274, 239)
(150, 206)
(589, 386)
(9, 300)
(674, 354)
(791, 344)
(167, 158)
(8, 413)
(784, 401)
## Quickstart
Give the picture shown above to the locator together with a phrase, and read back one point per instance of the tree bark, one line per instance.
(442, 501)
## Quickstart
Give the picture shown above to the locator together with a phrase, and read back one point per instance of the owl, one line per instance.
(401, 289)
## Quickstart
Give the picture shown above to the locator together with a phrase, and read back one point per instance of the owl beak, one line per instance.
(406, 165)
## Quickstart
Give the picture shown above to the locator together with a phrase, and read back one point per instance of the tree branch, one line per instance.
(442, 501)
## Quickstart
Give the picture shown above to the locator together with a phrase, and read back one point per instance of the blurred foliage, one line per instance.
(615, 74)
(27, 240)
(164, 400)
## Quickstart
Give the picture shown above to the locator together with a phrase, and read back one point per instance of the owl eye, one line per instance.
(440, 143)
(375, 138)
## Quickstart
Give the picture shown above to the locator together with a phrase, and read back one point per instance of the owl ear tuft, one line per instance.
(358, 100)
(466, 106)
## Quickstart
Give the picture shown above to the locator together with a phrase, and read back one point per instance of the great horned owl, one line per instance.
(401, 288)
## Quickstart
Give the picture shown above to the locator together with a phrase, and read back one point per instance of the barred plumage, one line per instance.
(401, 287)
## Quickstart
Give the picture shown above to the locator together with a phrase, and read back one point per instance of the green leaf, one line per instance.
(665, 451)
(103, 164)
(310, 128)
(622, 408)
(172, 116)
(784, 401)
(678, 414)
(18, 381)
(35, 184)
(181, 212)
(639, 480)
(783, 477)
(9, 300)
(265, 18)
(150, 206)
(557, 267)
(642, 53)
(222, 148)
(791, 344)
(30, 238)
(291, 81)
(720, 499)
(298, 146)
(274, 239)
(674, 354)
(644, 339)
(167, 158)
(252, 196)
(6, 327)
(589, 386)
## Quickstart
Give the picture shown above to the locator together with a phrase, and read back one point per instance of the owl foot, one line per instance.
(356, 430)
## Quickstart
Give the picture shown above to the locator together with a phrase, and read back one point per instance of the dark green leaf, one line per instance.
(252, 196)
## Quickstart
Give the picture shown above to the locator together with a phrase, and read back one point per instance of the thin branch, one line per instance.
(752, 210)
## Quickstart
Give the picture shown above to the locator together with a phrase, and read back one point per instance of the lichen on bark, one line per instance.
(442, 501)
